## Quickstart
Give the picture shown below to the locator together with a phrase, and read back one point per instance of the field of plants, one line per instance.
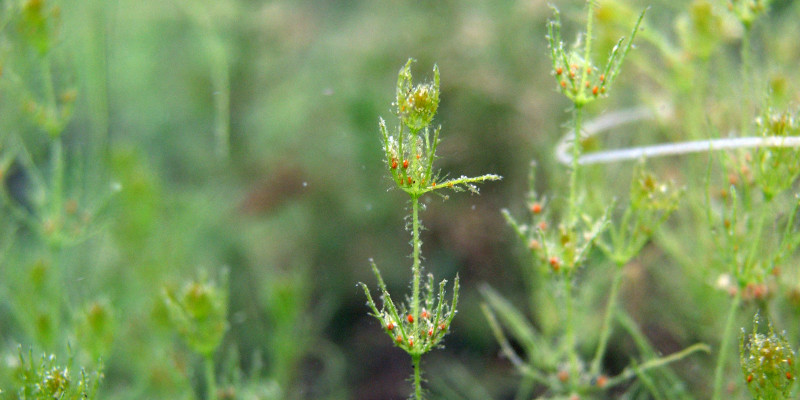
(239, 199)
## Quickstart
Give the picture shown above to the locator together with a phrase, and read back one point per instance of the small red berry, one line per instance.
(408, 180)
(564, 84)
(390, 325)
(410, 318)
(399, 339)
(536, 208)
(430, 332)
(559, 71)
(589, 70)
(542, 225)
(410, 342)
(394, 163)
(602, 77)
(417, 156)
(442, 327)
(749, 378)
(595, 90)
(405, 164)
(433, 184)
(555, 263)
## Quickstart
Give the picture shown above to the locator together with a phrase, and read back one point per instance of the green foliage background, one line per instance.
(283, 183)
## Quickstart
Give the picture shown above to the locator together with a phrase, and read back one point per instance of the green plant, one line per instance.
(419, 325)
(768, 363)
(47, 380)
(561, 250)
(199, 313)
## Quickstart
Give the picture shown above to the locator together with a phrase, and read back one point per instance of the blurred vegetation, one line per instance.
(148, 145)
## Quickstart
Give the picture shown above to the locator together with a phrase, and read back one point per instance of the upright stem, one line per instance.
(576, 153)
(569, 330)
(416, 256)
(723, 347)
(211, 385)
(605, 331)
(417, 379)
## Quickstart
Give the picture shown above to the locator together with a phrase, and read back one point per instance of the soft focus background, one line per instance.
(199, 135)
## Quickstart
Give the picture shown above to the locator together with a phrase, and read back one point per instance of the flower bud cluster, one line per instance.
(199, 313)
(746, 11)
(578, 77)
(560, 249)
(768, 363)
(420, 333)
(48, 380)
(776, 168)
(410, 150)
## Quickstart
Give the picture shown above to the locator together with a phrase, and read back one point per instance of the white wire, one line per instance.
(617, 118)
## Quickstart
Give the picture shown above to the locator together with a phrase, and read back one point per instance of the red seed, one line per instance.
(555, 263)
(410, 318)
(536, 208)
(442, 327)
(390, 325)
(559, 71)
(595, 90)
(602, 77)
(430, 332)
(405, 164)
(394, 163)
(542, 225)
(749, 378)
(409, 180)
(410, 342)
(564, 84)
(425, 314)
(399, 339)
(602, 380)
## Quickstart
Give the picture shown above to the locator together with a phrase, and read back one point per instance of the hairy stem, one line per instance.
(416, 256)
(417, 379)
(576, 152)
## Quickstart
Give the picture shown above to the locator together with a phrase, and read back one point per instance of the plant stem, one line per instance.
(569, 330)
(417, 379)
(605, 332)
(211, 385)
(723, 347)
(416, 256)
(576, 152)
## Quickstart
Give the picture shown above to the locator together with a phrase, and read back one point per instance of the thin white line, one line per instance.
(614, 119)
